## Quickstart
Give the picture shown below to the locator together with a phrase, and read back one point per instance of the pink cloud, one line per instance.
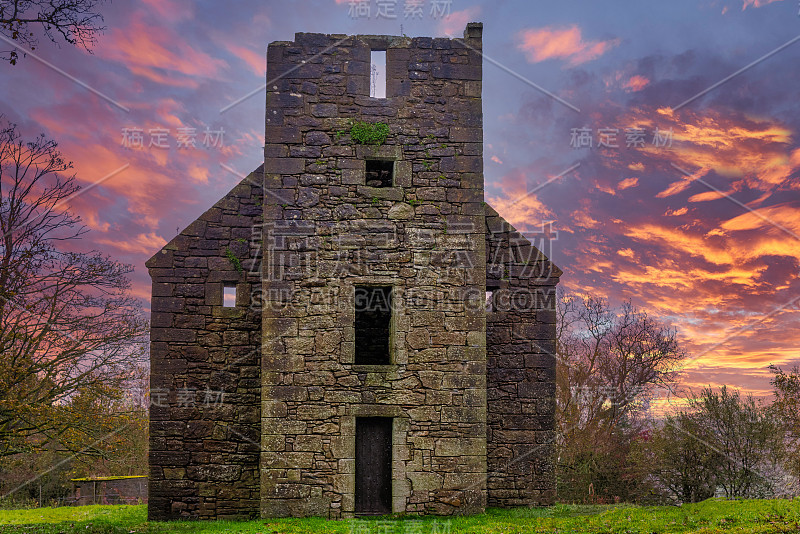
(144, 244)
(257, 62)
(636, 83)
(454, 23)
(159, 56)
(756, 3)
(561, 43)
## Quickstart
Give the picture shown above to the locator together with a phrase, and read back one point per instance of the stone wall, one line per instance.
(326, 231)
(520, 337)
(109, 490)
(204, 360)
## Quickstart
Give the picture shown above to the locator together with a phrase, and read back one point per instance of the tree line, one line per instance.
(627, 432)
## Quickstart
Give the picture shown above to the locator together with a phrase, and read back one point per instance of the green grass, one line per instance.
(709, 517)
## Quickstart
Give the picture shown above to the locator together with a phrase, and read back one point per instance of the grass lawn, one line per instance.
(712, 516)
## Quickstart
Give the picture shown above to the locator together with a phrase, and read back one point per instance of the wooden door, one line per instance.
(373, 465)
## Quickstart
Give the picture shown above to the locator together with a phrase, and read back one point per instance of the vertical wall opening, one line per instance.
(373, 311)
(373, 466)
(229, 296)
(377, 74)
(491, 297)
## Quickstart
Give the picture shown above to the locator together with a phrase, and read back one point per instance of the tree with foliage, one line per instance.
(75, 21)
(721, 440)
(786, 388)
(68, 324)
(609, 365)
(682, 460)
(746, 435)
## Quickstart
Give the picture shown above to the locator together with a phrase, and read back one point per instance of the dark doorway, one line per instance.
(380, 173)
(373, 324)
(373, 465)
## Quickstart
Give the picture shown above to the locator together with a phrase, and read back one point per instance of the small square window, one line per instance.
(229, 296)
(380, 173)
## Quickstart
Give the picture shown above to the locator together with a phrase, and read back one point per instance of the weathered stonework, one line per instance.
(204, 362)
(470, 393)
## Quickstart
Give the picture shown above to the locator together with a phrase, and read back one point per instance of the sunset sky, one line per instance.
(693, 215)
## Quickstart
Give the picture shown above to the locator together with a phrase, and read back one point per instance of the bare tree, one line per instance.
(609, 365)
(75, 21)
(610, 361)
(67, 320)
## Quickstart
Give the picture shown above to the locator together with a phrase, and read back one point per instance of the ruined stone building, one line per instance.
(352, 329)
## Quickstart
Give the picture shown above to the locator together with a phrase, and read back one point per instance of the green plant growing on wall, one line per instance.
(369, 134)
(235, 261)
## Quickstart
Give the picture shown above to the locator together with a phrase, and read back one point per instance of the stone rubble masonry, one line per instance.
(471, 393)
(203, 448)
(520, 346)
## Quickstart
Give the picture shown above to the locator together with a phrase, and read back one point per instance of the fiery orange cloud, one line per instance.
(750, 153)
(605, 189)
(627, 182)
(636, 83)
(515, 204)
(561, 43)
(708, 195)
(676, 213)
(785, 215)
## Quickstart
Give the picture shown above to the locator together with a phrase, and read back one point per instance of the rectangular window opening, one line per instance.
(380, 173)
(491, 297)
(228, 296)
(377, 74)
(373, 310)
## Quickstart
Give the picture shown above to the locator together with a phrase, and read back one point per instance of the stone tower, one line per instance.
(361, 370)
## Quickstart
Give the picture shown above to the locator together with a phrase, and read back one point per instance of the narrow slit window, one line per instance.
(491, 298)
(229, 296)
(373, 310)
(377, 74)
(380, 173)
